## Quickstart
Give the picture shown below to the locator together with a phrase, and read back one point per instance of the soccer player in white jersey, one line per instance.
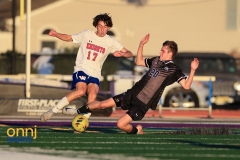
(94, 48)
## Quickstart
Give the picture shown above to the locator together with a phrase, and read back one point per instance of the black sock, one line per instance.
(134, 131)
(83, 109)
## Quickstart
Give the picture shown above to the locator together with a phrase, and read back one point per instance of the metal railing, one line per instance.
(209, 108)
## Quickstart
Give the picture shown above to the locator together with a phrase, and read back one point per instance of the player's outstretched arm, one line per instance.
(139, 58)
(63, 37)
(123, 53)
(186, 84)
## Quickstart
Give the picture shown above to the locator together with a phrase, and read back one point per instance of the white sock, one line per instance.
(87, 115)
(62, 103)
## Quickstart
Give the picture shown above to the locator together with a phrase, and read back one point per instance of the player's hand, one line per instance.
(118, 54)
(145, 39)
(53, 33)
(194, 64)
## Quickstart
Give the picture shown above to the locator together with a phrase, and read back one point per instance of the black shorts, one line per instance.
(136, 108)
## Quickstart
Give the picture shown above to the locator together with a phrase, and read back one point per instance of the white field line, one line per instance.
(147, 149)
(14, 153)
(64, 154)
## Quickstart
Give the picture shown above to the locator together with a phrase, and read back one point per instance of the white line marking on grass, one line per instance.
(145, 149)
(12, 155)
(65, 155)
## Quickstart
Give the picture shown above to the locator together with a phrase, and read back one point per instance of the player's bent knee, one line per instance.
(120, 125)
(92, 95)
(79, 93)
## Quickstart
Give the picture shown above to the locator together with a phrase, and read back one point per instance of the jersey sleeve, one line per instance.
(179, 75)
(77, 38)
(116, 46)
(148, 61)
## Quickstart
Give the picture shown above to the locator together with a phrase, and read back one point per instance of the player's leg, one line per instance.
(81, 88)
(92, 91)
(140, 129)
(78, 92)
(79, 84)
(124, 124)
(136, 111)
(111, 102)
(84, 110)
(90, 107)
(87, 109)
(108, 103)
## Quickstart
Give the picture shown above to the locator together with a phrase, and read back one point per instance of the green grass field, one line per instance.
(111, 143)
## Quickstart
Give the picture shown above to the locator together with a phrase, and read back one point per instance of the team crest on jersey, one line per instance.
(166, 68)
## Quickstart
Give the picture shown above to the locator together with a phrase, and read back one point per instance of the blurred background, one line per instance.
(196, 25)
(206, 29)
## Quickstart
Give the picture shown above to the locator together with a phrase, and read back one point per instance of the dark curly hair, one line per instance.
(103, 17)
(172, 46)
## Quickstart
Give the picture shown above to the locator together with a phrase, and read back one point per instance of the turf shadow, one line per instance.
(104, 130)
(70, 130)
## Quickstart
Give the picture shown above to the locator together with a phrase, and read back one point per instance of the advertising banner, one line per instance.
(43, 98)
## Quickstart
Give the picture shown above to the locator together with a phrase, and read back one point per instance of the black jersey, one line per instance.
(151, 86)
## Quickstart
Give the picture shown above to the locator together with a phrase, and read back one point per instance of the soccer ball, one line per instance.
(80, 123)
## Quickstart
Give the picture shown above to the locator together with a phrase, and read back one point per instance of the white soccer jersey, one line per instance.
(93, 51)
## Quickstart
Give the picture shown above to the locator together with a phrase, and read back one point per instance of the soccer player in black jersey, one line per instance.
(147, 92)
